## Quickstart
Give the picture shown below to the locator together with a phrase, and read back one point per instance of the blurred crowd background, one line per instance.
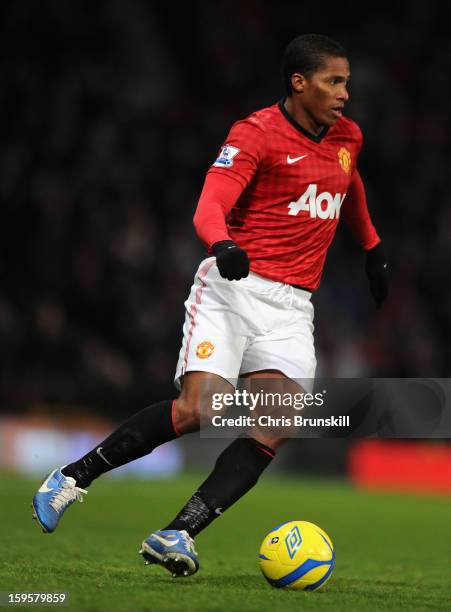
(112, 112)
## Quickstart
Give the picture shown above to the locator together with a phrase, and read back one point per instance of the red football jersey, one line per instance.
(294, 185)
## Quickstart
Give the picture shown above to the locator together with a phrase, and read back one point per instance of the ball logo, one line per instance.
(344, 157)
(293, 541)
(205, 349)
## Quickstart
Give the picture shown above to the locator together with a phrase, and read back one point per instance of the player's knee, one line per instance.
(187, 413)
(197, 403)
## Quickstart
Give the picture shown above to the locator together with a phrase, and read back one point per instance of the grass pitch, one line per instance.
(393, 552)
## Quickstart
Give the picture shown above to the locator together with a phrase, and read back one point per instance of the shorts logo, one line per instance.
(274, 540)
(293, 541)
(344, 157)
(225, 159)
(205, 349)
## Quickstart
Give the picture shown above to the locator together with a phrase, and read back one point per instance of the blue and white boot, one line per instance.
(172, 549)
(55, 495)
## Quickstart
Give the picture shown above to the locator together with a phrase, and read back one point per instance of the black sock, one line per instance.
(236, 471)
(135, 438)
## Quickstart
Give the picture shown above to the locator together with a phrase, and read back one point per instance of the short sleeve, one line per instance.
(242, 152)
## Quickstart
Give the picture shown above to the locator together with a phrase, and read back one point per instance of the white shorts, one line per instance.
(236, 327)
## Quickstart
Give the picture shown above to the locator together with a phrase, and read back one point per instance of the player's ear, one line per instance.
(297, 82)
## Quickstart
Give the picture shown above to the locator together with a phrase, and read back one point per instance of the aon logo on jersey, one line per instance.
(323, 205)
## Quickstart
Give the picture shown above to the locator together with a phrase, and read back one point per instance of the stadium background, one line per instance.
(111, 115)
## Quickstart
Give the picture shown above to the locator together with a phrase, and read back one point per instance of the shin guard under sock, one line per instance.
(137, 437)
(236, 471)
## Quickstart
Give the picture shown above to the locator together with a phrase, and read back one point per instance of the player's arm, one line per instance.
(357, 217)
(226, 180)
(219, 195)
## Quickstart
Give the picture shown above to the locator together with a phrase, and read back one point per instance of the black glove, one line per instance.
(232, 261)
(376, 268)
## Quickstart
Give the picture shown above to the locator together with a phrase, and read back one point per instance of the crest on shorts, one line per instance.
(344, 157)
(225, 158)
(205, 349)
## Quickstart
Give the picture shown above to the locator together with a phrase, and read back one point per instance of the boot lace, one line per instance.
(67, 495)
(189, 542)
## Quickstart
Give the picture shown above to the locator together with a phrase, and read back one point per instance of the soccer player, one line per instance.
(267, 214)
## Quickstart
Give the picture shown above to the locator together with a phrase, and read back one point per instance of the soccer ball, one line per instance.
(297, 555)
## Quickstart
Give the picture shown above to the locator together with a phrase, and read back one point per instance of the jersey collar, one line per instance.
(298, 126)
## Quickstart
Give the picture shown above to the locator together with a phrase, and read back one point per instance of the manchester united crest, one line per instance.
(205, 349)
(344, 157)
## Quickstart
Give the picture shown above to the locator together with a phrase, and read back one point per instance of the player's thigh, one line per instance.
(287, 343)
(290, 351)
(216, 330)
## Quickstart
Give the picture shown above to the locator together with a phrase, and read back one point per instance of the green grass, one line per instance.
(393, 552)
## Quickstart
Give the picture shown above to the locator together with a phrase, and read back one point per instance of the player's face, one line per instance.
(325, 91)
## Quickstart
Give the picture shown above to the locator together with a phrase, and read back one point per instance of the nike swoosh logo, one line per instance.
(44, 488)
(166, 542)
(102, 456)
(218, 511)
(293, 160)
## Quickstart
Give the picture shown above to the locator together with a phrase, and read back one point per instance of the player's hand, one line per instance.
(232, 261)
(376, 268)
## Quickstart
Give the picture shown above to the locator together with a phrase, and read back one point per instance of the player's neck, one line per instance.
(301, 116)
